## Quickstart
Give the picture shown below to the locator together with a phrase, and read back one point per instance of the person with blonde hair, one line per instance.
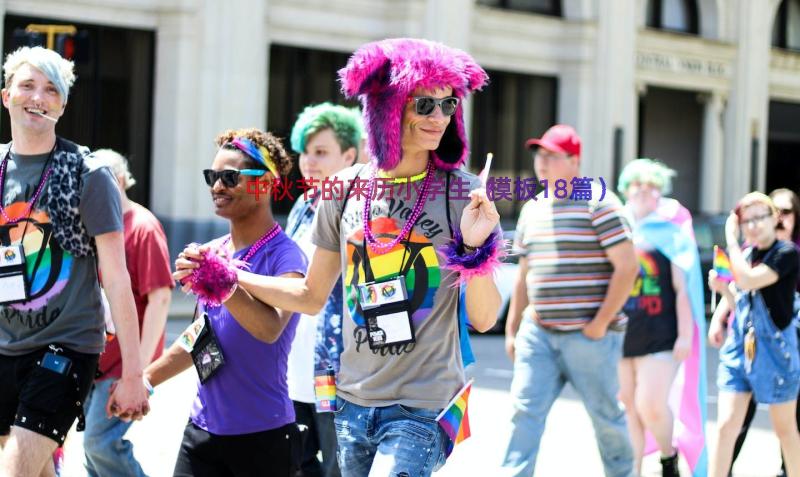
(665, 322)
(61, 223)
(759, 358)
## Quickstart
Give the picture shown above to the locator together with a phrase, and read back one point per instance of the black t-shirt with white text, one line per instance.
(779, 297)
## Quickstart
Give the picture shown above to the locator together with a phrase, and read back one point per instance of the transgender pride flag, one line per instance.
(454, 419)
(669, 229)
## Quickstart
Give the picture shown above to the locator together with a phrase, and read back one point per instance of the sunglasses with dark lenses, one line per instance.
(229, 177)
(785, 211)
(424, 105)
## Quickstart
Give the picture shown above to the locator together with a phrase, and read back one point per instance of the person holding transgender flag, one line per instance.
(666, 322)
(759, 358)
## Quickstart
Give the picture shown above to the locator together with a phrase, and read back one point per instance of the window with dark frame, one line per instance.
(299, 77)
(786, 28)
(111, 103)
(541, 7)
(676, 16)
(511, 109)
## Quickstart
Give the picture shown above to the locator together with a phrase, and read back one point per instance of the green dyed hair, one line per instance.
(646, 171)
(345, 123)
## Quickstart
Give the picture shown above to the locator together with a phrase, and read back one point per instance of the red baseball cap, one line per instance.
(559, 138)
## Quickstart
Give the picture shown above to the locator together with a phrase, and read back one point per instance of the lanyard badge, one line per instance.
(387, 312)
(14, 285)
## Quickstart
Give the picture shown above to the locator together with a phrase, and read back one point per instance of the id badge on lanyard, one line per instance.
(13, 279)
(387, 312)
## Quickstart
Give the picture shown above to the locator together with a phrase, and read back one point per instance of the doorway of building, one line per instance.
(783, 146)
(671, 131)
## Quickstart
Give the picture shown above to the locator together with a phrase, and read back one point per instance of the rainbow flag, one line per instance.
(722, 265)
(454, 419)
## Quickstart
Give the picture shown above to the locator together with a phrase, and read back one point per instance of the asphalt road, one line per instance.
(568, 447)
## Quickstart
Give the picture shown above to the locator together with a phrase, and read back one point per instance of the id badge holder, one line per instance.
(207, 353)
(389, 325)
(386, 311)
(14, 284)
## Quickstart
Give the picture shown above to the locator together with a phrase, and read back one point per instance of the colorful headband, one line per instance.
(259, 153)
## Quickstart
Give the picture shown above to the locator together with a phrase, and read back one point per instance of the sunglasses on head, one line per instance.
(424, 105)
(229, 177)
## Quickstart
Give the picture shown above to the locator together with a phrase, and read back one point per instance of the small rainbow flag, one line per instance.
(722, 265)
(454, 419)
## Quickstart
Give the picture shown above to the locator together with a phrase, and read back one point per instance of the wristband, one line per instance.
(148, 386)
(483, 260)
(214, 279)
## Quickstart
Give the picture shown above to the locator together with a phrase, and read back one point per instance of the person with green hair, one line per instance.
(327, 138)
(665, 324)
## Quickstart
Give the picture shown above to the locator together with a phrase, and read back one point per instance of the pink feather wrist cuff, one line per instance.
(215, 280)
(483, 261)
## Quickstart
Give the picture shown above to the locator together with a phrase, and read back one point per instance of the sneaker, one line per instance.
(669, 466)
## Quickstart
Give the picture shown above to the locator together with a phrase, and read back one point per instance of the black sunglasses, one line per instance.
(424, 105)
(229, 177)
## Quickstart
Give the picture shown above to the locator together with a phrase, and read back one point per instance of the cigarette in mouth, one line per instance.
(47, 117)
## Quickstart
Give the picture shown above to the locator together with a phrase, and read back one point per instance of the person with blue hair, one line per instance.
(61, 222)
(326, 137)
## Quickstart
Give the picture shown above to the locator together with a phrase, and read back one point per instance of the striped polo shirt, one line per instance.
(568, 270)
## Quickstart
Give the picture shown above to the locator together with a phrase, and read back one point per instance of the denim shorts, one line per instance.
(394, 440)
(774, 374)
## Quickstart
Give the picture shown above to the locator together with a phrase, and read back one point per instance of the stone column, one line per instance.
(211, 75)
(746, 116)
(711, 167)
(613, 93)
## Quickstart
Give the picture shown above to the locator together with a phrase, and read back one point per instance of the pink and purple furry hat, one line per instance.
(385, 73)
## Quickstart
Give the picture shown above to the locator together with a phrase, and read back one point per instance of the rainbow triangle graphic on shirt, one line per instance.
(722, 265)
(454, 419)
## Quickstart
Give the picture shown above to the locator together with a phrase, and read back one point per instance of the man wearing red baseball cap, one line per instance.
(567, 326)
(559, 138)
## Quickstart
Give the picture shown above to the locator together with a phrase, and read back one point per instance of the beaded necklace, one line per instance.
(383, 247)
(259, 243)
(42, 181)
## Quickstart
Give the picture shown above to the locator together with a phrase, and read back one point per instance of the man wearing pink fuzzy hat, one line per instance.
(403, 246)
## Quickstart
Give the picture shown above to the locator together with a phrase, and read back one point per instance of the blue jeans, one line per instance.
(108, 454)
(545, 361)
(774, 374)
(396, 441)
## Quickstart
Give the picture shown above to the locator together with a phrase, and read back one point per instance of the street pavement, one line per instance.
(568, 447)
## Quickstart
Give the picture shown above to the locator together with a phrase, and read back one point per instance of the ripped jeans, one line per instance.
(396, 441)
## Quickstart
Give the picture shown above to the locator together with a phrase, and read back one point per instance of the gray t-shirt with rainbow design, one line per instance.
(426, 373)
(65, 303)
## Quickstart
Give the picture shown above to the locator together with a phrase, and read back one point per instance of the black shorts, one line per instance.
(41, 400)
(272, 453)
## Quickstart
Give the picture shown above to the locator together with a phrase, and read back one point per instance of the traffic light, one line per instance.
(72, 45)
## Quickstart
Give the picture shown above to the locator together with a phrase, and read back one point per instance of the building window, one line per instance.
(679, 16)
(511, 109)
(110, 104)
(542, 7)
(786, 29)
(299, 77)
